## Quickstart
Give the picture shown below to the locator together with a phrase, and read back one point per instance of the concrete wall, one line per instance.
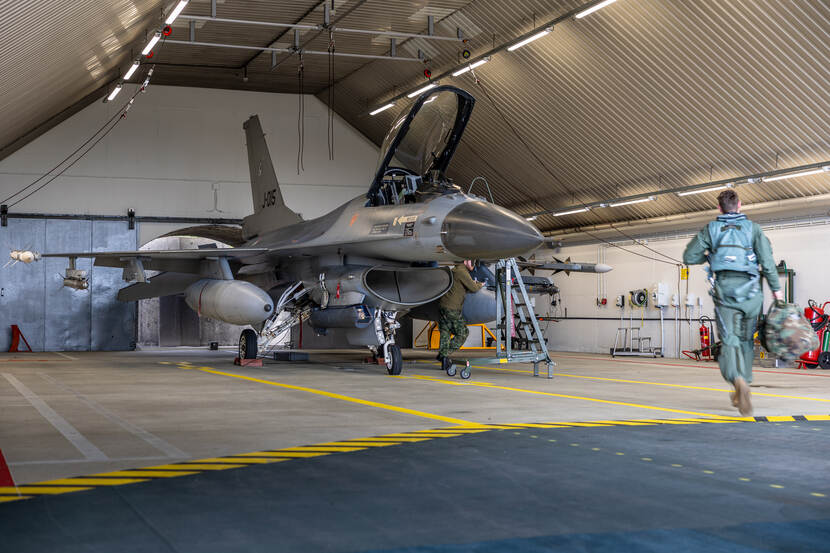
(800, 247)
(178, 146)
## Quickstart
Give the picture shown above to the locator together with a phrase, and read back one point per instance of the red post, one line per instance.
(5, 473)
(16, 336)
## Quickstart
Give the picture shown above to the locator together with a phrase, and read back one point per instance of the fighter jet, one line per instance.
(355, 269)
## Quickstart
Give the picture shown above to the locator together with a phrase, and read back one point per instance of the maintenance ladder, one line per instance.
(513, 301)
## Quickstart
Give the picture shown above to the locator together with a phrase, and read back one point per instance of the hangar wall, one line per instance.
(584, 327)
(179, 145)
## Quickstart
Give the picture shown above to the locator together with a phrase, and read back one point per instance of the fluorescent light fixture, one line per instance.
(131, 70)
(753, 180)
(593, 8)
(114, 92)
(530, 39)
(531, 218)
(794, 175)
(420, 90)
(702, 190)
(156, 38)
(629, 202)
(382, 108)
(471, 66)
(571, 212)
(176, 11)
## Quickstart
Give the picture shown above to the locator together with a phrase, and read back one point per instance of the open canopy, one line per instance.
(424, 138)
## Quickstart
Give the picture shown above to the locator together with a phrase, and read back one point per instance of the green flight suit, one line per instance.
(451, 324)
(736, 318)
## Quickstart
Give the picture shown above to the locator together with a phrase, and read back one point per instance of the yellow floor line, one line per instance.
(817, 417)
(395, 439)
(197, 466)
(6, 499)
(237, 460)
(345, 398)
(41, 490)
(330, 449)
(361, 443)
(147, 473)
(299, 454)
(625, 381)
(581, 398)
(88, 481)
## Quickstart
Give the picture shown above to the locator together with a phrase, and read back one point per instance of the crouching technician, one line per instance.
(451, 324)
(735, 247)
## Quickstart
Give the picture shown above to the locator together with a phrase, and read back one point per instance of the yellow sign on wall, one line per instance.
(684, 273)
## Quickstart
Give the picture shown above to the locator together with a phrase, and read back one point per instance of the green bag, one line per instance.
(785, 332)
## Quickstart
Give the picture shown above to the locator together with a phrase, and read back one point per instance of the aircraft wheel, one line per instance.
(824, 360)
(451, 370)
(247, 344)
(394, 360)
(465, 372)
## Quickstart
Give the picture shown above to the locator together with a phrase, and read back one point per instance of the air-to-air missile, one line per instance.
(356, 268)
(568, 266)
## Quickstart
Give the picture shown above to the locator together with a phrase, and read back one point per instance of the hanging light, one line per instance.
(702, 190)
(114, 92)
(629, 202)
(571, 212)
(382, 108)
(530, 39)
(471, 66)
(794, 175)
(420, 90)
(176, 11)
(131, 70)
(531, 218)
(149, 47)
(593, 8)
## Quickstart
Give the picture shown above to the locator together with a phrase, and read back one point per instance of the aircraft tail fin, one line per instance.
(270, 211)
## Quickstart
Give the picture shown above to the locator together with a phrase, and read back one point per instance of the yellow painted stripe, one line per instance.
(624, 423)
(89, 481)
(779, 418)
(236, 460)
(593, 399)
(537, 425)
(450, 430)
(421, 436)
(147, 473)
(626, 381)
(41, 490)
(817, 417)
(707, 421)
(363, 443)
(592, 423)
(344, 398)
(331, 449)
(397, 439)
(666, 421)
(299, 454)
(196, 466)
(7, 498)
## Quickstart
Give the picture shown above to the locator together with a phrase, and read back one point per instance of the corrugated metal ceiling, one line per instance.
(640, 96)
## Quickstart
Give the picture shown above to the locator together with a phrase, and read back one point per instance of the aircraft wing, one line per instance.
(180, 261)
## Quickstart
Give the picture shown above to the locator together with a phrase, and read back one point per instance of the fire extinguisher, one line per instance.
(705, 336)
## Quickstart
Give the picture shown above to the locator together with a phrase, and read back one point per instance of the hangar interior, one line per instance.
(602, 131)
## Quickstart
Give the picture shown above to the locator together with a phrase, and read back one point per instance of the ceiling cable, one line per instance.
(331, 96)
(300, 116)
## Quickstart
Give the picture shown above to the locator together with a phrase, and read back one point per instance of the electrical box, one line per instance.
(660, 295)
(675, 300)
(620, 302)
(691, 299)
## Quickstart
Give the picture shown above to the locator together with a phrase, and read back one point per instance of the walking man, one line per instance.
(451, 323)
(735, 247)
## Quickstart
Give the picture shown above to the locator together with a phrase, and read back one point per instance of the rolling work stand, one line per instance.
(512, 301)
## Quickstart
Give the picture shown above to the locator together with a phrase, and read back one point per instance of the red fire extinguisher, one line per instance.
(705, 339)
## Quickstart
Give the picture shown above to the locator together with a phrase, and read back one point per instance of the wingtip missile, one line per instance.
(567, 266)
(24, 256)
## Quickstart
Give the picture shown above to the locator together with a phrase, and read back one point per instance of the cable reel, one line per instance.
(638, 298)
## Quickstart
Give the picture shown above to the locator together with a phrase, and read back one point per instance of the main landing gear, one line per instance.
(394, 360)
(247, 344)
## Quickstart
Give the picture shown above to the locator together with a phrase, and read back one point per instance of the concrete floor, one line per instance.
(77, 414)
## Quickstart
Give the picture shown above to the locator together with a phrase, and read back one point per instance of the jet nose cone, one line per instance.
(479, 230)
(602, 268)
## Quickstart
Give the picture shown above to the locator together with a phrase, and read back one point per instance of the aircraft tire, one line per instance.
(394, 361)
(247, 344)
(451, 370)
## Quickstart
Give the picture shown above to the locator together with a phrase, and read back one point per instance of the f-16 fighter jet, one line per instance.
(355, 269)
